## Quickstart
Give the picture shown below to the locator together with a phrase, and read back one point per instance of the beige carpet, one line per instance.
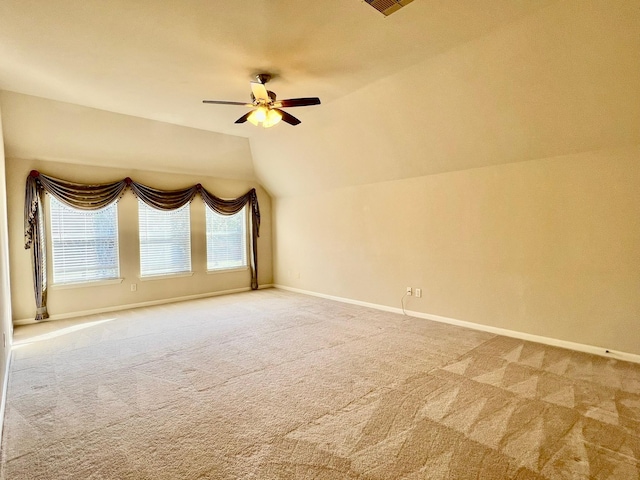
(275, 385)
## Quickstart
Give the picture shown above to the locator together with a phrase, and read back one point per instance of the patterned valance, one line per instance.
(94, 197)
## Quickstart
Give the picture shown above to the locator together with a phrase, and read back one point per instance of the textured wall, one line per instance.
(500, 176)
(548, 247)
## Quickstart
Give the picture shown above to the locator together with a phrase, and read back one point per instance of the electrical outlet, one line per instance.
(408, 291)
(134, 287)
(418, 292)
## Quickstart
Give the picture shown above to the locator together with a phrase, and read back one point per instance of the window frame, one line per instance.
(49, 248)
(247, 253)
(162, 275)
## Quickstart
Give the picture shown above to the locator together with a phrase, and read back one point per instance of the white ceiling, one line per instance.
(160, 59)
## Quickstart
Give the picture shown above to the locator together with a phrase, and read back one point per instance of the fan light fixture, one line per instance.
(273, 117)
(267, 110)
(265, 116)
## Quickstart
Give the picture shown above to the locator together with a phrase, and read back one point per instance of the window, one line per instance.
(165, 240)
(84, 243)
(226, 240)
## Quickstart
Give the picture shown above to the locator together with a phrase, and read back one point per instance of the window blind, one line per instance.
(84, 244)
(165, 240)
(226, 240)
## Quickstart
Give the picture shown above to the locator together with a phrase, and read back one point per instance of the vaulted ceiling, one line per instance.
(439, 85)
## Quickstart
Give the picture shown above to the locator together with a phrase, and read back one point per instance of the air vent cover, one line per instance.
(387, 7)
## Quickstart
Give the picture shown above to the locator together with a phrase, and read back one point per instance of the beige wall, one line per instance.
(55, 131)
(501, 177)
(64, 301)
(5, 292)
(548, 247)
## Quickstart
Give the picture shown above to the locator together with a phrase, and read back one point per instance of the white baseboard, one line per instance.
(580, 347)
(85, 313)
(5, 384)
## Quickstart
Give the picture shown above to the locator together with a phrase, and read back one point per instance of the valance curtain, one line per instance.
(94, 197)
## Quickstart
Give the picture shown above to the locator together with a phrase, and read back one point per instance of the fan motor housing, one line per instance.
(263, 77)
(271, 94)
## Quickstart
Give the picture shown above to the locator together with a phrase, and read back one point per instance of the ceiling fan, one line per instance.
(266, 109)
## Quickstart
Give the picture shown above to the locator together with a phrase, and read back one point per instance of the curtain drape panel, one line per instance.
(163, 199)
(94, 197)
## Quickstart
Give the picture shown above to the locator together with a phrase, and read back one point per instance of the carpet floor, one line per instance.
(277, 385)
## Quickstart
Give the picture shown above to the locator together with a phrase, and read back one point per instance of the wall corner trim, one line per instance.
(580, 347)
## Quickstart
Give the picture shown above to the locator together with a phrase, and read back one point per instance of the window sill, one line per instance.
(165, 276)
(227, 270)
(96, 283)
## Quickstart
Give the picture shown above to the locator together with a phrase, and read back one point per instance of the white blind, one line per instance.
(84, 244)
(226, 240)
(165, 240)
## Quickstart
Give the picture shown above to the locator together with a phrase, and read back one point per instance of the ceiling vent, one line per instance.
(387, 7)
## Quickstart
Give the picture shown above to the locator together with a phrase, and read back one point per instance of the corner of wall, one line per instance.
(5, 292)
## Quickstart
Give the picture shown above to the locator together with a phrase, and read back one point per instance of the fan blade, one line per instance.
(222, 102)
(287, 117)
(243, 118)
(299, 102)
(260, 91)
